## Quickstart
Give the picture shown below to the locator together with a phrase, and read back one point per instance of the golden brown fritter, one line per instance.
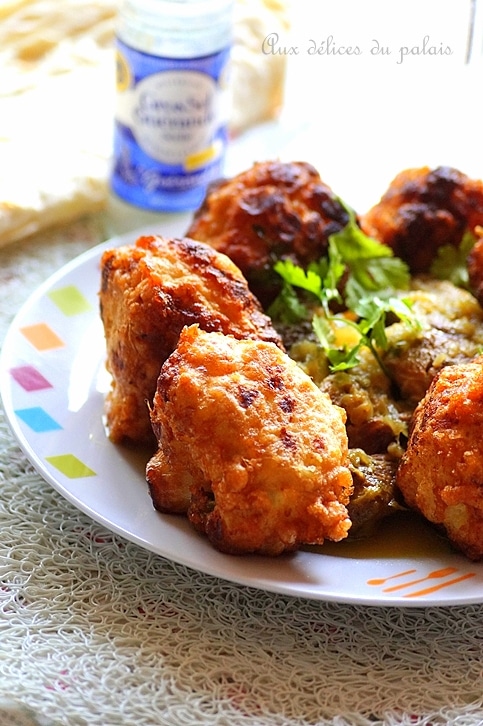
(274, 210)
(149, 291)
(441, 473)
(423, 209)
(249, 447)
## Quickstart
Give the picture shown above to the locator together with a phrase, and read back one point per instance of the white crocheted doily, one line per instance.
(95, 630)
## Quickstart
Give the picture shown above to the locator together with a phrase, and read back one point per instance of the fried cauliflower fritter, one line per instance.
(249, 447)
(274, 210)
(441, 473)
(424, 209)
(149, 292)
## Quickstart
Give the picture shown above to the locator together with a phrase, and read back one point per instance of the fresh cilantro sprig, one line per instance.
(450, 261)
(371, 266)
(371, 276)
(340, 358)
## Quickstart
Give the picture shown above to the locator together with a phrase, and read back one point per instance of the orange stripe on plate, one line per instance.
(435, 588)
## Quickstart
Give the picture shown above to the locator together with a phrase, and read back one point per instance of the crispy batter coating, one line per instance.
(248, 446)
(441, 473)
(274, 210)
(149, 291)
(423, 209)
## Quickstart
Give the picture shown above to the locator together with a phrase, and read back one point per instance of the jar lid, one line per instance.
(176, 28)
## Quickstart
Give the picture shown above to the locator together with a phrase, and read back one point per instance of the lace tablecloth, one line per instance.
(96, 630)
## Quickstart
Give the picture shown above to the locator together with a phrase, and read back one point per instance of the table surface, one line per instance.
(96, 630)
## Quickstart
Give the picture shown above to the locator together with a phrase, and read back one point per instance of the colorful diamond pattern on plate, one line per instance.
(70, 466)
(70, 301)
(37, 419)
(41, 336)
(29, 378)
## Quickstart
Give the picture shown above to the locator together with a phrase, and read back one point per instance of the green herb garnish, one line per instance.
(450, 261)
(372, 275)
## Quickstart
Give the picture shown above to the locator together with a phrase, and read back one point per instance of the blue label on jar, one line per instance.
(170, 128)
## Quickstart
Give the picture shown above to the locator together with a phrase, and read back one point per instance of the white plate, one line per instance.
(53, 384)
